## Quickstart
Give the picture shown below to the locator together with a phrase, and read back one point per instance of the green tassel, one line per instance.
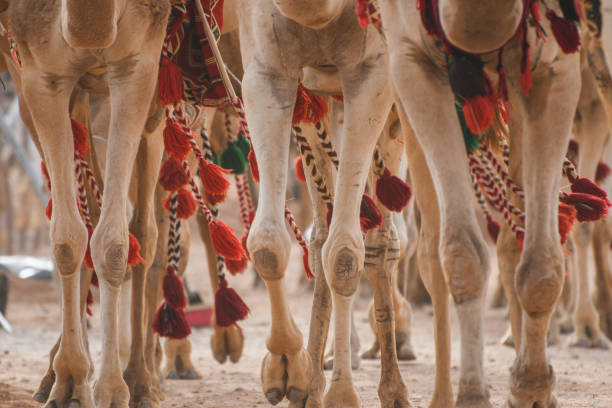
(471, 140)
(243, 144)
(233, 159)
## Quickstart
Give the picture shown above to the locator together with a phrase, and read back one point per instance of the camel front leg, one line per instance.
(368, 104)
(463, 251)
(539, 276)
(109, 243)
(49, 110)
(269, 101)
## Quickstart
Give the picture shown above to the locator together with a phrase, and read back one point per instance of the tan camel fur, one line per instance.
(539, 128)
(275, 49)
(87, 35)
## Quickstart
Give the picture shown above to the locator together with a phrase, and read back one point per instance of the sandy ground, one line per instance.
(584, 376)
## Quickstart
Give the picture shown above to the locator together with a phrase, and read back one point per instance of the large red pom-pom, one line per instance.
(176, 141)
(603, 171)
(229, 306)
(586, 186)
(392, 192)
(186, 205)
(224, 240)
(134, 251)
(478, 113)
(170, 82)
(565, 31)
(170, 322)
(174, 293)
(588, 207)
(369, 215)
(172, 176)
(81, 138)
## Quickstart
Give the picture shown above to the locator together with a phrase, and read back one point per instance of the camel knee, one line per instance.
(345, 274)
(465, 263)
(269, 247)
(69, 249)
(538, 282)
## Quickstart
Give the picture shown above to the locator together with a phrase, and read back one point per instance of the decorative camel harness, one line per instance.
(483, 112)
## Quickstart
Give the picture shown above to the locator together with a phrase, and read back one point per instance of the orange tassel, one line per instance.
(237, 266)
(170, 82)
(212, 198)
(305, 262)
(299, 170)
(176, 142)
(253, 165)
(243, 242)
(81, 138)
(213, 179)
(309, 108)
(172, 176)
(186, 205)
(567, 218)
(225, 242)
(49, 209)
(134, 251)
(229, 306)
(478, 113)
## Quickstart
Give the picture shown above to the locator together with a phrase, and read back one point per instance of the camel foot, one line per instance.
(342, 394)
(141, 388)
(44, 389)
(529, 389)
(190, 374)
(392, 392)
(66, 394)
(475, 402)
(286, 376)
(227, 342)
(589, 337)
(566, 327)
(41, 396)
(404, 348)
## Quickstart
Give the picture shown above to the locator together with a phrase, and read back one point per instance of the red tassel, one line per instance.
(369, 215)
(174, 293)
(305, 262)
(603, 171)
(328, 216)
(586, 186)
(176, 142)
(225, 242)
(43, 170)
(90, 302)
(81, 138)
(362, 13)
(493, 228)
(170, 82)
(309, 108)
(567, 218)
(87, 260)
(428, 16)
(186, 205)
(94, 279)
(172, 176)
(213, 179)
(478, 113)
(299, 170)
(588, 207)
(212, 198)
(253, 165)
(237, 266)
(229, 307)
(49, 209)
(392, 192)
(520, 237)
(171, 323)
(134, 252)
(565, 32)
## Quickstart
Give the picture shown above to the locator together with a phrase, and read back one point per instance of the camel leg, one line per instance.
(369, 103)
(603, 277)
(463, 251)
(130, 96)
(225, 341)
(49, 111)
(382, 255)
(125, 328)
(143, 226)
(539, 275)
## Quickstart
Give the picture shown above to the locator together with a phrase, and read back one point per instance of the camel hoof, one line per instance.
(173, 375)
(295, 395)
(274, 396)
(52, 404)
(405, 353)
(41, 396)
(585, 342)
(74, 403)
(566, 328)
(370, 355)
(191, 375)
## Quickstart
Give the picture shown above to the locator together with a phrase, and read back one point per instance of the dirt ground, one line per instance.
(584, 376)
